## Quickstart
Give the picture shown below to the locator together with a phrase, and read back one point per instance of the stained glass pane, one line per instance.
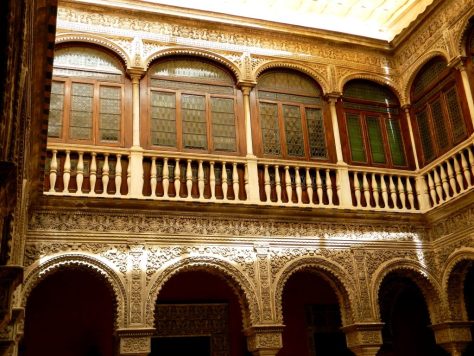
(110, 113)
(428, 75)
(80, 121)
(355, 138)
(56, 107)
(375, 139)
(193, 109)
(270, 130)
(223, 124)
(289, 97)
(439, 124)
(317, 137)
(362, 89)
(191, 68)
(457, 122)
(293, 130)
(288, 82)
(163, 119)
(372, 108)
(395, 142)
(425, 136)
(197, 87)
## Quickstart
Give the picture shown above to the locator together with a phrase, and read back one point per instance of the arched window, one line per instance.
(373, 126)
(290, 111)
(87, 97)
(439, 118)
(192, 105)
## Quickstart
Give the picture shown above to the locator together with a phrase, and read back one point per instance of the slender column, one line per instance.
(332, 99)
(248, 123)
(264, 340)
(459, 65)
(135, 75)
(406, 108)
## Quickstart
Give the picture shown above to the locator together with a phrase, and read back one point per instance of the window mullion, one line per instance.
(281, 125)
(304, 128)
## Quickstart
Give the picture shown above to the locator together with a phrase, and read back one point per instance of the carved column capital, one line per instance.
(264, 340)
(453, 336)
(136, 73)
(136, 342)
(364, 339)
(246, 87)
(333, 97)
(458, 63)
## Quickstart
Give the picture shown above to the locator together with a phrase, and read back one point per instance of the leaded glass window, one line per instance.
(373, 124)
(192, 105)
(436, 106)
(87, 96)
(290, 115)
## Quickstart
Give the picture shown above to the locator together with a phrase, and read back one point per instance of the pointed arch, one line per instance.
(192, 52)
(98, 41)
(331, 272)
(454, 274)
(40, 270)
(461, 35)
(244, 289)
(318, 77)
(419, 274)
(372, 78)
(406, 87)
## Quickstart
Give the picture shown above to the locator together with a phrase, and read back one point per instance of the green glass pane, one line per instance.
(355, 138)
(366, 90)
(457, 122)
(375, 139)
(425, 136)
(439, 124)
(395, 142)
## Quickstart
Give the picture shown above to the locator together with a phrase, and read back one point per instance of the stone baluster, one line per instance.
(383, 186)
(288, 183)
(201, 180)
(309, 186)
(438, 187)
(357, 193)
(235, 181)
(375, 190)
(212, 180)
(299, 190)
(465, 169)
(401, 192)
(411, 198)
(319, 186)
(431, 187)
(444, 180)
(129, 174)
(118, 174)
(166, 177)
(177, 178)
(365, 187)
(329, 189)
(225, 185)
(278, 183)
(470, 162)
(189, 179)
(53, 171)
(153, 178)
(93, 173)
(393, 192)
(105, 174)
(458, 173)
(452, 179)
(67, 172)
(423, 192)
(80, 173)
(266, 182)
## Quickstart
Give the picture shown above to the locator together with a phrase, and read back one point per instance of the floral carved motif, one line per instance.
(135, 345)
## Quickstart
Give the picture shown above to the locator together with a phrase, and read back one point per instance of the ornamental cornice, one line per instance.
(92, 223)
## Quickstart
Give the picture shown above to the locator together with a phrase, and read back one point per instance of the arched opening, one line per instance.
(375, 132)
(469, 302)
(198, 313)
(312, 318)
(71, 312)
(406, 331)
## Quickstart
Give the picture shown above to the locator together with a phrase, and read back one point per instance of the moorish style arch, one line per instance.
(242, 286)
(423, 279)
(40, 270)
(379, 79)
(331, 272)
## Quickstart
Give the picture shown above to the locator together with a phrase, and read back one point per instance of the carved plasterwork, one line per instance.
(51, 264)
(97, 40)
(429, 286)
(135, 345)
(243, 287)
(459, 14)
(170, 225)
(286, 263)
(461, 221)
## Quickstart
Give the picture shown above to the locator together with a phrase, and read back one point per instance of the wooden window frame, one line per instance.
(147, 90)
(438, 90)
(95, 137)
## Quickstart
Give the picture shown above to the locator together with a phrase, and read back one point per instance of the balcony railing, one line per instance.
(91, 171)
